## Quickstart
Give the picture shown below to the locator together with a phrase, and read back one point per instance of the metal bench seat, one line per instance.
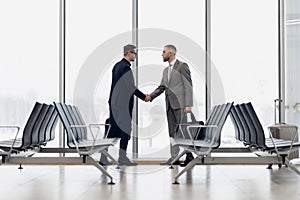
(39, 130)
(89, 144)
(210, 139)
(251, 133)
(195, 143)
(80, 136)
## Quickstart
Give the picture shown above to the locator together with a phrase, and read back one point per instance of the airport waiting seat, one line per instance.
(80, 136)
(210, 136)
(39, 130)
(255, 136)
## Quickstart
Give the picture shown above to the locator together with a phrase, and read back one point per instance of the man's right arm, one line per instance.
(160, 89)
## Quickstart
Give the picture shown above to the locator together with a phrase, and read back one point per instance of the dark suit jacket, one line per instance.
(121, 95)
(179, 89)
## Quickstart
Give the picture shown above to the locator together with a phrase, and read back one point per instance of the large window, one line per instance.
(161, 23)
(95, 35)
(292, 27)
(245, 56)
(29, 57)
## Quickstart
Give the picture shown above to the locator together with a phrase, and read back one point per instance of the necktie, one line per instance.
(169, 72)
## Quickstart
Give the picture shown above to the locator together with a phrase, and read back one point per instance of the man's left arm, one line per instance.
(130, 85)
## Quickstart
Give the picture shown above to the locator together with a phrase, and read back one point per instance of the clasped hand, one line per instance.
(148, 98)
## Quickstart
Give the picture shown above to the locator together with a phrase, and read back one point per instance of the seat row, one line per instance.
(197, 138)
(39, 129)
(250, 132)
(82, 136)
(201, 139)
(77, 131)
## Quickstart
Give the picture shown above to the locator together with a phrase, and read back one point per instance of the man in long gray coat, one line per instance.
(121, 104)
(177, 85)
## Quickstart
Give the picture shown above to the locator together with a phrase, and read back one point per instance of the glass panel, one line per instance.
(292, 10)
(292, 62)
(91, 40)
(167, 22)
(96, 34)
(245, 56)
(29, 57)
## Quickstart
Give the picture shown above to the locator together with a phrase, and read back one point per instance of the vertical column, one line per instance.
(281, 60)
(135, 66)
(207, 57)
(62, 55)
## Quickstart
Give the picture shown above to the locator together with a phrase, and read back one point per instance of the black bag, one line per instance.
(114, 130)
(197, 133)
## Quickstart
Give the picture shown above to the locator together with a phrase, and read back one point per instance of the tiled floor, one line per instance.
(143, 182)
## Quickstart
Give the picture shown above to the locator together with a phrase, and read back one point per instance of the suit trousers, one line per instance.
(174, 117)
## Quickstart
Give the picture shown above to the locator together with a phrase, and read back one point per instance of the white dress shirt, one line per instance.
(171, 66)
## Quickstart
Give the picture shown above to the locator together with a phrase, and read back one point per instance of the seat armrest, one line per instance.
(90, 149)
(15, 138)
(72, 127)
(189, 126)
(209, 141)
(277, 129)
(98, 128)
(182, 129)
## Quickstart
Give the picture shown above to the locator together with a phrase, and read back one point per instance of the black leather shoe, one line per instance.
(168, 162)
(176, 163)
(186, 162)
(105, 163)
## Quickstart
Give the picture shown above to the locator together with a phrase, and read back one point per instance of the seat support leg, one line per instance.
(189, 166)
(110, 157)
(292, 166)
(177, 158)
(20, 167)
(96, 164)
(269, 166)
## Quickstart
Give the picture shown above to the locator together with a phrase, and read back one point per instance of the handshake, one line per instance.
(148, 98)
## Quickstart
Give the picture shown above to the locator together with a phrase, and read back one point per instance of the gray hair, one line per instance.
(128, 48)
(171, 48)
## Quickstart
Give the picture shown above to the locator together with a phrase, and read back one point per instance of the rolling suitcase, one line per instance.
(285, 131)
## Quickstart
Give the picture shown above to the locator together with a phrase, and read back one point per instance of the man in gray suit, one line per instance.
(177, 85)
